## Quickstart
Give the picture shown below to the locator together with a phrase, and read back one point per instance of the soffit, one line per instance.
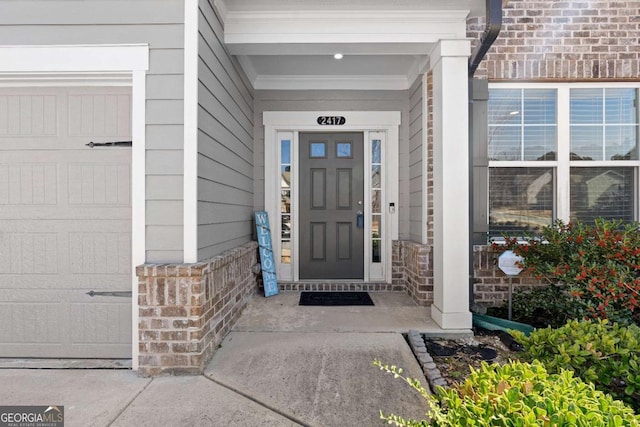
(289, 44)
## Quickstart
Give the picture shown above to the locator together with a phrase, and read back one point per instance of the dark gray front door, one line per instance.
(331, 198)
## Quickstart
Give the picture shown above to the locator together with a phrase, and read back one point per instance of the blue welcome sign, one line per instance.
(266, 254)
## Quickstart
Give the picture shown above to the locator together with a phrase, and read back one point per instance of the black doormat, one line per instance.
(335, 298)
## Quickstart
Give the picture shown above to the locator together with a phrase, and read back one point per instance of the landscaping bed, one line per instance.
(454, 357)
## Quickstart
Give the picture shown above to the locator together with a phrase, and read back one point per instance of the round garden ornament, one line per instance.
(509, 263)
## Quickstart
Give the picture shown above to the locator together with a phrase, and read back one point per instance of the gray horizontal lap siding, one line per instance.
(159, 24)
(336, 100)
(416, 180)
(225, 143)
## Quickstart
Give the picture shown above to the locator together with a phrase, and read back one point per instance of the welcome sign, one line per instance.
(267, 262)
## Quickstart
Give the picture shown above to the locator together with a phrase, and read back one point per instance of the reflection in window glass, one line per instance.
(375, 226)
(285, 201)
(318, 149)
(286, 226)
(520, 199)
(586, 106)
(285, 152)
(586, 142)
(375, 251)
(604, 124)
(285, 176)
(343, 150)
(602, 192)
(522, 124)
(375, 176)
(376, 154)
(620, 143)
(285, 249)
(376, 201)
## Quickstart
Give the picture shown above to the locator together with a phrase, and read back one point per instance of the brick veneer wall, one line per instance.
(187, 309)
(412, 265)
(491, 285)
(566, 40)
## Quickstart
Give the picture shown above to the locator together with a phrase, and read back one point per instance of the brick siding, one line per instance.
(185, 310)
(554, 41)
(491, 285)
(413, 267)
(563, 40)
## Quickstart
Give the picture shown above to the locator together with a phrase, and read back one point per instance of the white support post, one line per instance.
(450, 308)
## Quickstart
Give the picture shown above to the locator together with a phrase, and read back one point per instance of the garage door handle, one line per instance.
(110, 144)
(126, 294)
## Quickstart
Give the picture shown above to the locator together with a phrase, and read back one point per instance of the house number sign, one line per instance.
(331, 120)
(267, 264)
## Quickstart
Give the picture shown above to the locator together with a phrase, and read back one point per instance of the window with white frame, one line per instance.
(566, 151)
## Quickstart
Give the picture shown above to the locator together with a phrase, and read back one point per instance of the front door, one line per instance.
(331, 206)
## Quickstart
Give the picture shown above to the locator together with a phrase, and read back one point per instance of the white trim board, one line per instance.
(379, 124)
(62, 63)
(190, 178)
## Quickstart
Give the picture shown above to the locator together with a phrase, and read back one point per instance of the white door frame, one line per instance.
(95, 65)
(382, 125)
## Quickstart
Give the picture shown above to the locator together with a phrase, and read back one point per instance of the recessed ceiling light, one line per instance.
(514, 113)
(338, 56)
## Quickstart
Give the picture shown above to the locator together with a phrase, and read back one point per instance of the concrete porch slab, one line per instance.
(319, 378)
(392, 312)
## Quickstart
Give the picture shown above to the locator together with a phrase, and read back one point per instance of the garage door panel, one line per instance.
(28, 115)
(100, 253)
(99, 115)
(65, 222)
(78, 283)
(91, 184)
(70, 213)
(77, 325)
(30, 322)
(28, 184)
(101, 323)
(29, 253)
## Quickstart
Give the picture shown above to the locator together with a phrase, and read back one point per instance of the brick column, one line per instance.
(186, 310)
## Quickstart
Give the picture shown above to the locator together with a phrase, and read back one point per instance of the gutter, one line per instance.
(491, 31)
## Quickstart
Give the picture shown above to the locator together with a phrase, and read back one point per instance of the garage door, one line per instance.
(65, 223)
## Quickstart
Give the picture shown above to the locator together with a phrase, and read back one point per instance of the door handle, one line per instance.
(126, 294)
(360, 219)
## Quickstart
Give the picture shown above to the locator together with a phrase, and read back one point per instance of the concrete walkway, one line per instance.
(283, 365)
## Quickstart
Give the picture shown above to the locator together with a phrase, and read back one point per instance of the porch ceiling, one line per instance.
(289, 44)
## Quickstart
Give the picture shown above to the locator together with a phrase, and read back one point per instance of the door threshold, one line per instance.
(332, 281)
(340, 285)
(43, 363)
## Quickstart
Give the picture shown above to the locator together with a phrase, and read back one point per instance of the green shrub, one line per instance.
(605, 354)
(541, 307)
(518, 394)
(600, 265)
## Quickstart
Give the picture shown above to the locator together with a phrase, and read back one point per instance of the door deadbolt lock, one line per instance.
(360, 219)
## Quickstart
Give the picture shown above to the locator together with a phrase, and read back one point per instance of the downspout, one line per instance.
(489, 35)
(479, 130)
